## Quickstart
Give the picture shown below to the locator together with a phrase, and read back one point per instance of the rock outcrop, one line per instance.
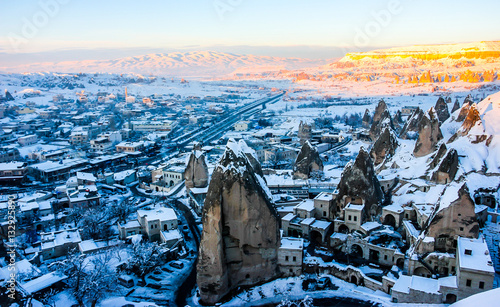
(367, 120)
(252, 158)
(429, 134)
(196, 173)
(438, 156)
(240, 237)
(447, 169)
(410, 129)
(307, 162)
(455, 216)
(359, 182)
(456, 106)
(381, 119)
(305, 132)
(442, 110)
(384, 147)
(398, 120)
(464, 110)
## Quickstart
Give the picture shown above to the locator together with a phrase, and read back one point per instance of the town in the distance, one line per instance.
(373, 180)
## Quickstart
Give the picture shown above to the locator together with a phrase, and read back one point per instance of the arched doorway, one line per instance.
(316, 237)
(450, 298)
(343, 229)
(357, 251)
(422, 271)
(354, 280)
(390, 220)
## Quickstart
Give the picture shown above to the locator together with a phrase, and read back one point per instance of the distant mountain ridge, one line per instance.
(195, 63)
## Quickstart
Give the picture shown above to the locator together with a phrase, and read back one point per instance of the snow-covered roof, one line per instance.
(306, 205)
(396, 208)
(321, 224)
(51, 166)
(308, 221)
(170, 235)
(123, 174)
(325, 196)
(288, 217)
(473, 254)
(43, 282)
(162, 214)
(354, 207)
(85, 176)
(12, 166)
(292, 243)
(58, 238)
(369, 226)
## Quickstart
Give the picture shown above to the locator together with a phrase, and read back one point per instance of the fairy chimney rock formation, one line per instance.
(196, 173)
(442, 110)
(240, 237)
(359, 183)
(429, 134)
(410, 129)
(384, 147)
(381, 119)
(307, 162)
(367, 120)
(305, 132)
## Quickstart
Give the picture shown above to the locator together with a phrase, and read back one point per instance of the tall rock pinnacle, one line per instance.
(429, 134)
(240, 236)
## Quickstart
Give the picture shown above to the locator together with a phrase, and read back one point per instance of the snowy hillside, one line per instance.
(182, 64)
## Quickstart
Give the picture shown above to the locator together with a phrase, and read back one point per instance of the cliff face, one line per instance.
(196, 173)
(410, 128)
(359, 180)
(384, 147)
(429, 134)
(442, 110)
(307, 161)
(240, 237)
(381, 119)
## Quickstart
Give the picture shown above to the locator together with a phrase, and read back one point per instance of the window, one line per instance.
(481, 285)
(468, 252)
(385, 257)
(406, 215)
(324, 213)
(461, 229)
(294, 258)
(355, 218)
(151, 226)
(349, 217)
(286, 258)
(468, 283)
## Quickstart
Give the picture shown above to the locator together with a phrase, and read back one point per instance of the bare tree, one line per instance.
(145, 257)
(121, 210)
